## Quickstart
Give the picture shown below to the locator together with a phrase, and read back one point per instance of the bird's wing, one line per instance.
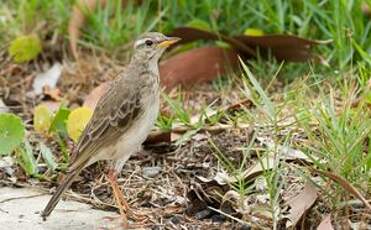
(112, 116)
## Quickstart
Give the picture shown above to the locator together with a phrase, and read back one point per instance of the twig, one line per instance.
(345, 184)
(227, 215)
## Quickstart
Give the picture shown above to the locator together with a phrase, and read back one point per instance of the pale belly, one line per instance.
(131, 141)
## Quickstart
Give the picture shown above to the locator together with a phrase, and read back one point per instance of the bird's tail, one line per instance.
(66, 183)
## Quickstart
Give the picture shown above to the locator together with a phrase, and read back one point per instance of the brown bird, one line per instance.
(122, 119)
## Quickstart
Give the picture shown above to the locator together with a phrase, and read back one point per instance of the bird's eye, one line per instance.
(148, 43)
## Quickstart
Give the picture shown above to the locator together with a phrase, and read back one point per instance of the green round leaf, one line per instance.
(12, 132)
(25, 48)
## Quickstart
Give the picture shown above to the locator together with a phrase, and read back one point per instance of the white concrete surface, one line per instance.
(20, 209)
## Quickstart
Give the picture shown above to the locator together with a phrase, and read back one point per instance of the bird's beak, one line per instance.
(168, 41)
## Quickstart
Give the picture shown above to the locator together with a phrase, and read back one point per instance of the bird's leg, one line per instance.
(120, 200)
(119, 197)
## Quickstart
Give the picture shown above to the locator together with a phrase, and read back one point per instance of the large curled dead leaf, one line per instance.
(282, 47)
(197, 65)
(188, 34)
(301, 203)
(205, 64)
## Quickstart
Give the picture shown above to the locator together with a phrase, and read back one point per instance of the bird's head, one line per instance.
(150, 46)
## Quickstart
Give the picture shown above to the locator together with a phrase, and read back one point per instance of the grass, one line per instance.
(328, 107)
(271, 173)
(335, 133)
(33, 16)
(110, 27)
(342, 131)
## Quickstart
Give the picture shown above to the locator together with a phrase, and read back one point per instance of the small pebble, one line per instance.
(151, 171)
(218, 218)
(203, 214)
(175, 219)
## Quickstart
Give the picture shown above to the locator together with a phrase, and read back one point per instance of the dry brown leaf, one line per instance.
(54, 94)
(301, 203)
(196, 66)
(345, 184)
(325, 224)
(92, 99)
(282, 47)
(188, 34)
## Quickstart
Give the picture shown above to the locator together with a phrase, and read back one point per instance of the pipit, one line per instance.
(122, 118)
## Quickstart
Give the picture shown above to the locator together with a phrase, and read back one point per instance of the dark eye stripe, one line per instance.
(144, 41)
(148, 42)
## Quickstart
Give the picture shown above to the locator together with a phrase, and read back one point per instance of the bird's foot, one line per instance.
(121, 202)
(119, 198)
